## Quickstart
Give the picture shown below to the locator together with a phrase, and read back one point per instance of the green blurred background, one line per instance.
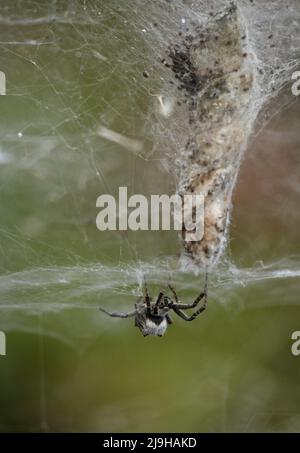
(70, 68)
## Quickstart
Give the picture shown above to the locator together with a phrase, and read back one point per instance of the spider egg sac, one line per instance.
(216, 70)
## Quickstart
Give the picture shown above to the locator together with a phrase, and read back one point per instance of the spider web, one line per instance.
(91, 107)
(90, 71)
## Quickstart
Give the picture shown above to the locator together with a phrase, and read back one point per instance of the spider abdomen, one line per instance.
(155, 326)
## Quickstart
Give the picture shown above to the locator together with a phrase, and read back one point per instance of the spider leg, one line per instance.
(147, 298)
(203, 295)
(168, 303)
(115, 314)
(197, 300)
(174, 293)
(169, 319)
(184, 316)
(205, 288)
(193, 304)
(159, 298)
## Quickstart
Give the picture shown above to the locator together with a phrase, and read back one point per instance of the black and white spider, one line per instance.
(152, 318)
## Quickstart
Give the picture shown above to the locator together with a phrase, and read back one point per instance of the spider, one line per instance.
(152, 318)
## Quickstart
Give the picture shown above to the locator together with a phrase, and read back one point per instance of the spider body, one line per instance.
(151, 324)
(153, 318)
